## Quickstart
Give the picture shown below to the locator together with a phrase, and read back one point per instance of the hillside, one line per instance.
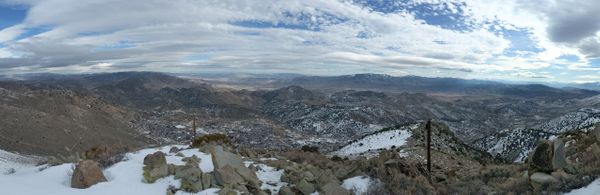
(50, 122)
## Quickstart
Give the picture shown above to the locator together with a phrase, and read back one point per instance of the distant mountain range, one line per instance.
(290, 112)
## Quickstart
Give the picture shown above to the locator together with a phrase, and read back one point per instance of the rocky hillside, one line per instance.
(516, 144)
(55, 121)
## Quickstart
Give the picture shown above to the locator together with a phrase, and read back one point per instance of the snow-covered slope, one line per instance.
(10, 162)
(593, 188)
(380, 140)
(515, 144)
(123, 178)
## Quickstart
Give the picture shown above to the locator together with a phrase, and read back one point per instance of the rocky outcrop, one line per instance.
(559, 159)
(155, 167)
(230, 170)
(541, 158)
(86, 174)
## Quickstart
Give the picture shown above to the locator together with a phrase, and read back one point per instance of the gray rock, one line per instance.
(227, 175)
(542, 178)
(559, 159)
(541, 158)
(221, 158)
(308, 176)
(344, 172)
(192, 161)
(327, 177)
(305, 187)
(333, 189)
(208, 180)
(155, 167)
(227, 191)
(231, 166)
(86, 174)
(285, 190)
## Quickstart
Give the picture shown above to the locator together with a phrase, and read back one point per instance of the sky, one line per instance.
(516, 40)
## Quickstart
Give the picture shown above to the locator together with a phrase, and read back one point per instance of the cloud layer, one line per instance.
(513, 39)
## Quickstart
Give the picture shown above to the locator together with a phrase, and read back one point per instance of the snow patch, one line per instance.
(381, 140)
(358, 185)
(593, 188)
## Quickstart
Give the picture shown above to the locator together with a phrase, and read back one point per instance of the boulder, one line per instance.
(334, 189)
(227, 176)
(191, 178)
(541, 158)
(327, 177)
(308, 176)
(155, 167)
(540, 177)
(559, 159)
(192, 161)
(86, 174)
(231, 166)
(285, 190)
(305, 187)
(208, 180)
(158, 158)
(227, 191)
(344, 172)
(596, 132)
(174, 150)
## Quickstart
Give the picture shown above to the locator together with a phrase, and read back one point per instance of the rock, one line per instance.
(174, 150)
(333, 189)
(86, 174)
(285, 190)
(327, 177)
(540, 177)
(541, 158)
(191, 178)
(192, 161)
(222, 159)
(208, 180)
(228, 175)
(305, 187)
(344, 172)
(308, 176)
(227, 191)
(559, 159)
(158, 158)
(596, 132)
(155, 167)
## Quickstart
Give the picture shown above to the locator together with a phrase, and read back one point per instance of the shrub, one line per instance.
(210, 138)
(336, 158)
(106, 155)
(307, 148)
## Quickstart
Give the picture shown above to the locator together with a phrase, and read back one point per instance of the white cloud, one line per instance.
(201, 34)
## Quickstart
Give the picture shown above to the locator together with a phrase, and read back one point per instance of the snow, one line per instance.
(123, 178)
(381, 140)
(11, 162)
(593, 188)
(180, 127)
(269, 176)
(358, 185)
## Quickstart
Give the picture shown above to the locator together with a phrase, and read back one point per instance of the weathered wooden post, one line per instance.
(194, 127)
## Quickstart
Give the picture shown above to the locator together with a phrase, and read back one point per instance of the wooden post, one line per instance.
(194, 127)
(428, 128)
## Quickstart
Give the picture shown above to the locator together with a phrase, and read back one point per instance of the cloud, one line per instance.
(296, 36)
